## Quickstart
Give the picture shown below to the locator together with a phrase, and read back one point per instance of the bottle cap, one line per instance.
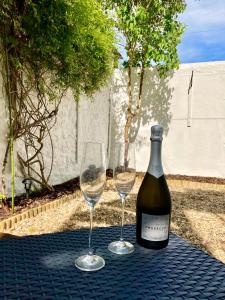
(156, 133)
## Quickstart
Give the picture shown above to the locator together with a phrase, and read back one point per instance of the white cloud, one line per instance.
(204, 15)
(204, 38)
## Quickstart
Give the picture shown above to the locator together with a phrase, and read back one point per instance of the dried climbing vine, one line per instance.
(30, 119)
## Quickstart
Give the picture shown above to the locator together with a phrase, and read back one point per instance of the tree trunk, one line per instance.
(139, 101)
(129, 112)
(129, 116)
(138, 107)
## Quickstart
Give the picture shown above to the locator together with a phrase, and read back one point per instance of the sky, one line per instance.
(204, 38)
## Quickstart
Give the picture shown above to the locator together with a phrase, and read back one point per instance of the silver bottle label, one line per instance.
(155, 228)
(156, 171)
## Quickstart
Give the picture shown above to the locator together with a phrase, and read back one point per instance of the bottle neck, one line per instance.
(155, 165)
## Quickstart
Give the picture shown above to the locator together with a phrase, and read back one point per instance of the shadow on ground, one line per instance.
(196, 216)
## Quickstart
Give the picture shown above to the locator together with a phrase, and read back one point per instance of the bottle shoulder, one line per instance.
(154, 193)
(154, 183)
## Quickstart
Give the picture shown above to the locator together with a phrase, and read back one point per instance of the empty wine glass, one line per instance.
(124, 174)
(92, 182)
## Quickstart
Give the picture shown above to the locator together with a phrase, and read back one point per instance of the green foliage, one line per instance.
(46, 47)
(72, 40)
(2, 196)
(151, 30)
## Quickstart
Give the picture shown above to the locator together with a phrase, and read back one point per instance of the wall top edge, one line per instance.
(207, 68)
(203, 64)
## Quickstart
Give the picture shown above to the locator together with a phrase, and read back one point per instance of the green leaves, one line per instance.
(2, 197)
(151, 30)
(72, 40)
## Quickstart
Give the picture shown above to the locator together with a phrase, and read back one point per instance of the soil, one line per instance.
(198, 213)
(67, 188)
(40, 197)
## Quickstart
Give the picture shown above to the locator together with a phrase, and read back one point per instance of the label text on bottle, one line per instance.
(155, 228)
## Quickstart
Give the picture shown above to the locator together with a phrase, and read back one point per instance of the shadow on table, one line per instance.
(58, 250)
(42, 267)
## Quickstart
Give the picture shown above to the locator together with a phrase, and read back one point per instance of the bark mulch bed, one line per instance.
(40, 197)
(45, 196)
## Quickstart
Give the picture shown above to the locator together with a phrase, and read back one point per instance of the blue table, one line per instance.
(42, 267)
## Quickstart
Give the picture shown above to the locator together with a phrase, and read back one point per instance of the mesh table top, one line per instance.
(42, 267)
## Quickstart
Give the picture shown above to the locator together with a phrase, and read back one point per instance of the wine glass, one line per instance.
(92, 182)
(124, 174)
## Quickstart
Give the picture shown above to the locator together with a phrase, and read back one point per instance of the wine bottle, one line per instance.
(153, 208)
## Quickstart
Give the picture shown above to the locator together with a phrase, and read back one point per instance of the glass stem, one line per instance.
(122, 220)
(90, 232)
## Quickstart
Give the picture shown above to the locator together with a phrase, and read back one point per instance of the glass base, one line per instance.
(121, 247)
(89, 262)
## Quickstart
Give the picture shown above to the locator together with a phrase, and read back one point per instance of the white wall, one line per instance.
(3, 132)
(194, 140)
(200, 148)
(76, 123)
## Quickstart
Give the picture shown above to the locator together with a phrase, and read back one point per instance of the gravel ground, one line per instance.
(198, 214)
